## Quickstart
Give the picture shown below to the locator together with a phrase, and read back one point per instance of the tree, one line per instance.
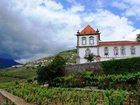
(90, 57)
(51, 71)
(58, 66)
(138, 37)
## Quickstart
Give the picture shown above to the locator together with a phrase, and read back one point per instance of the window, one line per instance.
(91, 40)
(87, 52)
(123, 51)
(133, 50)
(83, 40)
(106, 51)
(115, 50)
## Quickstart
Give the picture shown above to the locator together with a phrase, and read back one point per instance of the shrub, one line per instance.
(51, 71)
(91, 57)
(69, 81)
(121, 65)
(29, 80)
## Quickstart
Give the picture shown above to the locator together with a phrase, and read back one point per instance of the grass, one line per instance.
(4, 79)
(70, 55)
(22, 72)
(12, 74)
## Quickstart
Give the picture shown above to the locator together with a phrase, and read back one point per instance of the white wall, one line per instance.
(82, 53)
(111, 53)
(138, 50)
(119, 56)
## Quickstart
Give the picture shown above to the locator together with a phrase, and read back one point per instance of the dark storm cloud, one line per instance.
(24, 37)
(17, 38)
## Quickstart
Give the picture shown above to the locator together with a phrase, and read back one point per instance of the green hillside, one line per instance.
(13, 74)
(70, 55)
(29, 69)
(118, 83)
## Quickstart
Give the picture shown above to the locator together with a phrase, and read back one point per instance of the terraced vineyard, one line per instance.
(113, 87)
(16, 74)
(66, 96)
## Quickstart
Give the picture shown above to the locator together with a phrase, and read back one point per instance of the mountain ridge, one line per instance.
(7, 62)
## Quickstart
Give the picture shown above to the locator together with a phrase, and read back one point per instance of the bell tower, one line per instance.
(89, 39)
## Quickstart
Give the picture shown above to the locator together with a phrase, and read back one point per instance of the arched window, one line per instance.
(91, 40)
(83, 40)
(123, 50)
(106, 51)
(115, 50)
(87, 52)
(133, 50)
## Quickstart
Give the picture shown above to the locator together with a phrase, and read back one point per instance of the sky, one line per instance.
(32, 29)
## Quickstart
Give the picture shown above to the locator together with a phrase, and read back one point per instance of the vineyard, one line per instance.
(68, 96)
(128, 81)
(118, 83)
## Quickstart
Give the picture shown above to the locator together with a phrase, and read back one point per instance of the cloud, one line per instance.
(17, 35)
(112, 27)
(130, 7)
(28, 29)
(31, 29)
(120, 5)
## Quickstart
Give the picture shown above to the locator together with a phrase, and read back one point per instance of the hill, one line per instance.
(69, 55)
(29, 70)
(122, 87)
(7, 62)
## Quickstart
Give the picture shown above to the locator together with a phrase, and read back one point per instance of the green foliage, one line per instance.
(111, 97)
(68, 81)
(4, 79)
(14, 74)
(69, 55)
(66, 96)
(121, 81)
(94, 96)
(75, 80)
(87, 74)
(29, 80)
(126, 81)
(91, 57)
(121, 66)
(53, 70)
(19, 73)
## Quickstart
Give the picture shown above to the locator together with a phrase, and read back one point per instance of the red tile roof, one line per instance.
(88, 30)
(118, 43)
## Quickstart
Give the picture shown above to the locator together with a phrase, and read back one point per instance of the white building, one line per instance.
(88, 41)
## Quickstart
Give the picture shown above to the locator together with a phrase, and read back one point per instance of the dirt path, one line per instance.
(1, 99)
(14, 99)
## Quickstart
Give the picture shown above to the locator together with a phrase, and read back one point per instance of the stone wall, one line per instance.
(75, 68)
